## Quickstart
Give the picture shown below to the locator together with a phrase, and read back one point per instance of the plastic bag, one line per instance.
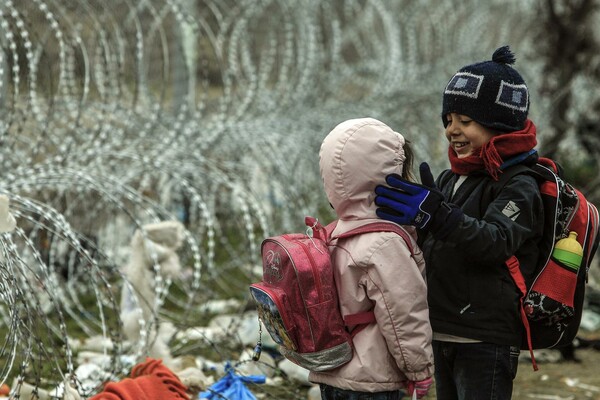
(232, 386)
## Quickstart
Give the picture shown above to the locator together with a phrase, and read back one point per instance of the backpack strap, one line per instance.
(378, 227)
(554, 165)
(515, 272)
(325, 232)
(362, 319)
(359, 321)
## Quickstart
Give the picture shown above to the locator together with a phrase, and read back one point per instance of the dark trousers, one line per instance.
(474, 371)
(333, 393)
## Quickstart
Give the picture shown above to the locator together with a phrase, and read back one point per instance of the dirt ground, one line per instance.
(558, 380)
(563, 380)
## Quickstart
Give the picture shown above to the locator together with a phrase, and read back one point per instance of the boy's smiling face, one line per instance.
(465, 135)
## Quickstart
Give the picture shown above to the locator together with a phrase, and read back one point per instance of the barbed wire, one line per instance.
(116, 115)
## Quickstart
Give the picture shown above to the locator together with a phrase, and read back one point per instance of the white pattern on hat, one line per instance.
(513, 93)
(458, 85)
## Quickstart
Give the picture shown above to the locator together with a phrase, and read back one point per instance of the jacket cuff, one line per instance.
(421, 375)
(445, 220)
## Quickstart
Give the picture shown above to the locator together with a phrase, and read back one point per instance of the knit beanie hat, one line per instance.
(490, 92)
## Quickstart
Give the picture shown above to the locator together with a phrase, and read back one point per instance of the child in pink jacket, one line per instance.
(375, 271)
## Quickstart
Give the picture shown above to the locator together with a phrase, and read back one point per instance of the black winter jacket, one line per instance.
(470, 291)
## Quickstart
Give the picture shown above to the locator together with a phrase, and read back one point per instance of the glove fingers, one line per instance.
(395, 181)
(390, 193)
(426, 175)
(394, 206)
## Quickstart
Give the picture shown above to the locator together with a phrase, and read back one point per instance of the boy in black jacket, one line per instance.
(469, 227)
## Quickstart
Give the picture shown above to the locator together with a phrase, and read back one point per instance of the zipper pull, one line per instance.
(258, 347)
(257, 352)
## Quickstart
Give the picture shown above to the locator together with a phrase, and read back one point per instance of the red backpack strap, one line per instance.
(366, 317)
(515, 272)
(359, 321)
(379, 227)
(553, 165)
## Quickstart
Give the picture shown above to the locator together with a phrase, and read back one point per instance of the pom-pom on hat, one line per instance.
(490, 92)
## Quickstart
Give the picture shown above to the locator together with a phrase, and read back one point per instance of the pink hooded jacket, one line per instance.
(374, 270)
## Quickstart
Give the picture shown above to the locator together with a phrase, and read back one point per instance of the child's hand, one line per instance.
(423, 206)
(408, 203)
(421, 387)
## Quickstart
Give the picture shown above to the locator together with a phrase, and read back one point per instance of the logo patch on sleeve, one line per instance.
(511, 210)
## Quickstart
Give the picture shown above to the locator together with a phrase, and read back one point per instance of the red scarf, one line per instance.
(491, 155)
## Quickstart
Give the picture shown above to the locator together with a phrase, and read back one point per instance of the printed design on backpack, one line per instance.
(550, 312)
(567, 203)
(272, 269)
(273, 321)
(297, 299)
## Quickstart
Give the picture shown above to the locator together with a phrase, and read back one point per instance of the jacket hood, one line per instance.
(355, 157)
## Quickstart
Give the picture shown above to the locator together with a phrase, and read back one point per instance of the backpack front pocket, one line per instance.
(274, 312)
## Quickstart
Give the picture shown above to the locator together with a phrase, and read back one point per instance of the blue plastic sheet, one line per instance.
(232, 386)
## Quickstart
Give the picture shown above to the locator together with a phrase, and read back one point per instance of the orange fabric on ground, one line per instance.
(150, 380)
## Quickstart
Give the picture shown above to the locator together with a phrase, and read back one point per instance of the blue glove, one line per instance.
(423, 206)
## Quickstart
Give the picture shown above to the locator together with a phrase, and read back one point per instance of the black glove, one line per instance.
(423, 206)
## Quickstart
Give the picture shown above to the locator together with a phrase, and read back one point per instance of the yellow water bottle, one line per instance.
(568, 251)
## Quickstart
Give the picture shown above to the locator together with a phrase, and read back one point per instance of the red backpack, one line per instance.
(297, 298)
(551, 306)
